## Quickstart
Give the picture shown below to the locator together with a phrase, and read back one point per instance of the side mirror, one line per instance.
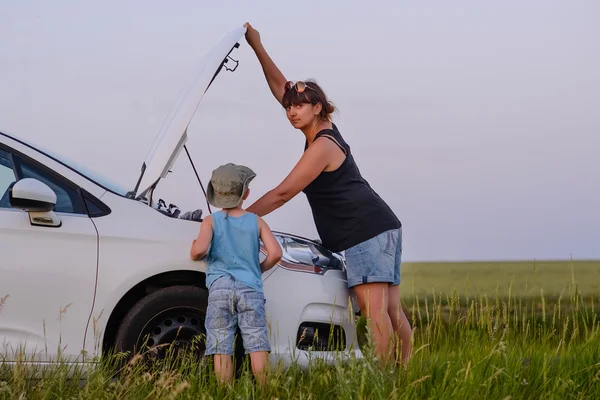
(37, 199)
(31, 195)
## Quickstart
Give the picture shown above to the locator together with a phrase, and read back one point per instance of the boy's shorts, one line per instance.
(232, 303)
(375, 260)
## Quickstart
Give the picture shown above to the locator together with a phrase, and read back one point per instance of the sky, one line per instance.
(478, 122)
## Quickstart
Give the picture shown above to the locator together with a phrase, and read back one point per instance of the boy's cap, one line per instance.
(228, 185)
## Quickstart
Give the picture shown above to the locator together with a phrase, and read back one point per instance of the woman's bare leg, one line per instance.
(401, 326)
(373, 302)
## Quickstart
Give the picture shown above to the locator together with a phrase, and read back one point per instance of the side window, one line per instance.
(68, 199)
(7, 176)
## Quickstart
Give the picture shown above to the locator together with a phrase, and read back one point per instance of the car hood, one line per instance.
(173, 134)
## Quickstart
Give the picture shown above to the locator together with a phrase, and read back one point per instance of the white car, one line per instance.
(87, 267)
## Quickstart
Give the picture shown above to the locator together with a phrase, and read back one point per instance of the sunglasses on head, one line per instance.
(300, 86)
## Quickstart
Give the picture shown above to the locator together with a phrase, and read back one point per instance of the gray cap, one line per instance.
(228, 185)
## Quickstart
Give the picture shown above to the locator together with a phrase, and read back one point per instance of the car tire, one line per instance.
(174, 313)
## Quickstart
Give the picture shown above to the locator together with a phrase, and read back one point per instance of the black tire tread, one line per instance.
(149, 305)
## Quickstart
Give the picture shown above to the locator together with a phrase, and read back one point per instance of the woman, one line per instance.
(348, 214)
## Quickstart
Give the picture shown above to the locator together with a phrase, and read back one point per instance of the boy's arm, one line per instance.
(274, 252)
(201, 244)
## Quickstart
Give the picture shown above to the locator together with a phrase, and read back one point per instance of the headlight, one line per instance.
(304, 255)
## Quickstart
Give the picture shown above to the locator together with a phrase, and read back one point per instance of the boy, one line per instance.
(230, 238)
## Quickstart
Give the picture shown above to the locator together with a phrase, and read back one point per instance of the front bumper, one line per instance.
(296, 301)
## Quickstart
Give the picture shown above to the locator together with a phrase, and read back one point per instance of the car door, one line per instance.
(47, 274)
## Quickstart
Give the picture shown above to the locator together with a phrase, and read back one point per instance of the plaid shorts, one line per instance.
(231, 304)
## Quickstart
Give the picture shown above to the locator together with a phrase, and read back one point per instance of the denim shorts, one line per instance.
(232, 303)
(375, 260)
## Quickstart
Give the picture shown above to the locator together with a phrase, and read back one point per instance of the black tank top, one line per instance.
(345, 208)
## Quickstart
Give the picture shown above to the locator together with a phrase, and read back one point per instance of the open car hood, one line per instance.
(173, 134)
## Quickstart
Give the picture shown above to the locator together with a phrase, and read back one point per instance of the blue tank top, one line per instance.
(234, 250)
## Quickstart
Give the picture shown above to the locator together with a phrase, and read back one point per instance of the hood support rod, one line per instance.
(197, 176)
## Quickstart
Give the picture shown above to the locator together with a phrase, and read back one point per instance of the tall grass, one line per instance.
(465, 347)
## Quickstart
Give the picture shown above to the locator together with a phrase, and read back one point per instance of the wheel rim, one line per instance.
(175, 330)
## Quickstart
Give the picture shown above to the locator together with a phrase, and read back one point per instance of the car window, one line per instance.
(68, 199)
(7, 176)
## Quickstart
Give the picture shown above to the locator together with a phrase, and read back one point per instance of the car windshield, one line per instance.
(94, 176)
(86, 172)
(90, 174)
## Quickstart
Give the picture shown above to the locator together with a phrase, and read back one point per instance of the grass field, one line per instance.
(481, 331)
(524, 278)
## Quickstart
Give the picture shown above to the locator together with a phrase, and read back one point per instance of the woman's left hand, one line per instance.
(252, 35)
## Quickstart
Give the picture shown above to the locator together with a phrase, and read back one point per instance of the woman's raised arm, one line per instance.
(274, 77)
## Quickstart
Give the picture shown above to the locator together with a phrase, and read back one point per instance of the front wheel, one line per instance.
(169, 321)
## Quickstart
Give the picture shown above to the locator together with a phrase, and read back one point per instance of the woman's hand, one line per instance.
(275, 78)
(252, 35)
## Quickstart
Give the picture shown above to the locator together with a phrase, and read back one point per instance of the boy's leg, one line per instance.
(253, 324)
(223, 368)
(221, 327)
(258, 360)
